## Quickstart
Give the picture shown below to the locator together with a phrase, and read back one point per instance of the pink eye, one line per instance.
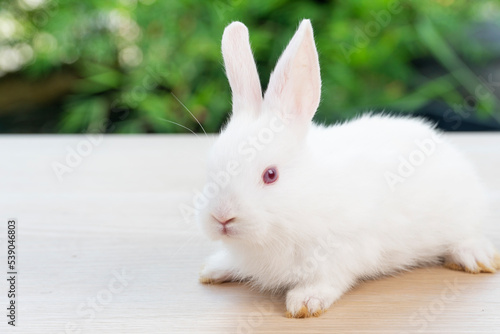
(270, 175)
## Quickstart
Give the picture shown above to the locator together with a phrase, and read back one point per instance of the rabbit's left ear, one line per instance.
(294, 88)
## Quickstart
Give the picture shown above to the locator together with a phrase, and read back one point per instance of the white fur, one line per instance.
(240, 69)
(332, 218)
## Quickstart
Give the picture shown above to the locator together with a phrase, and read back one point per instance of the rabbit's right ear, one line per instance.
(241, 70)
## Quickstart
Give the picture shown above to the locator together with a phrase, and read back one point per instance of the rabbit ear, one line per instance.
(241, 70)
(295, 84)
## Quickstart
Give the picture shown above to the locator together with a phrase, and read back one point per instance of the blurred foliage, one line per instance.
(140, 64)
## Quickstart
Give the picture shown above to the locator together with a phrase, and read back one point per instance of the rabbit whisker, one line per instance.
(182, 104)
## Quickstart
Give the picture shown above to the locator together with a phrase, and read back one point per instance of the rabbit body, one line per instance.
(370, 197)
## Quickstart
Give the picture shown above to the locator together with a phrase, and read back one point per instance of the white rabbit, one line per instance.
(311, 209)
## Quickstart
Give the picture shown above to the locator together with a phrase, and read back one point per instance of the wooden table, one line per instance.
(104, 249)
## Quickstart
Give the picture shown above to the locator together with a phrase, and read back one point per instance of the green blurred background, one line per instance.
(134, 66)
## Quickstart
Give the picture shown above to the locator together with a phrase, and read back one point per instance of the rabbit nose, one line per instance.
(224, 220)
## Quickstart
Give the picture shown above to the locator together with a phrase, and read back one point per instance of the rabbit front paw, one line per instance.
(310, 301)
(210, 275)
(473, 256)
(218, 269)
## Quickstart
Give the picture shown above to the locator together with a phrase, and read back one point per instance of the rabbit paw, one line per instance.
(305, 302)
(218, 269)
(214, 275)
(473, 256)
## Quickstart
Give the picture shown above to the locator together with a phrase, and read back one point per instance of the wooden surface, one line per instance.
(118, 213)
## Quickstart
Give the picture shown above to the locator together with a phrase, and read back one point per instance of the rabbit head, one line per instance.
(259, 161)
